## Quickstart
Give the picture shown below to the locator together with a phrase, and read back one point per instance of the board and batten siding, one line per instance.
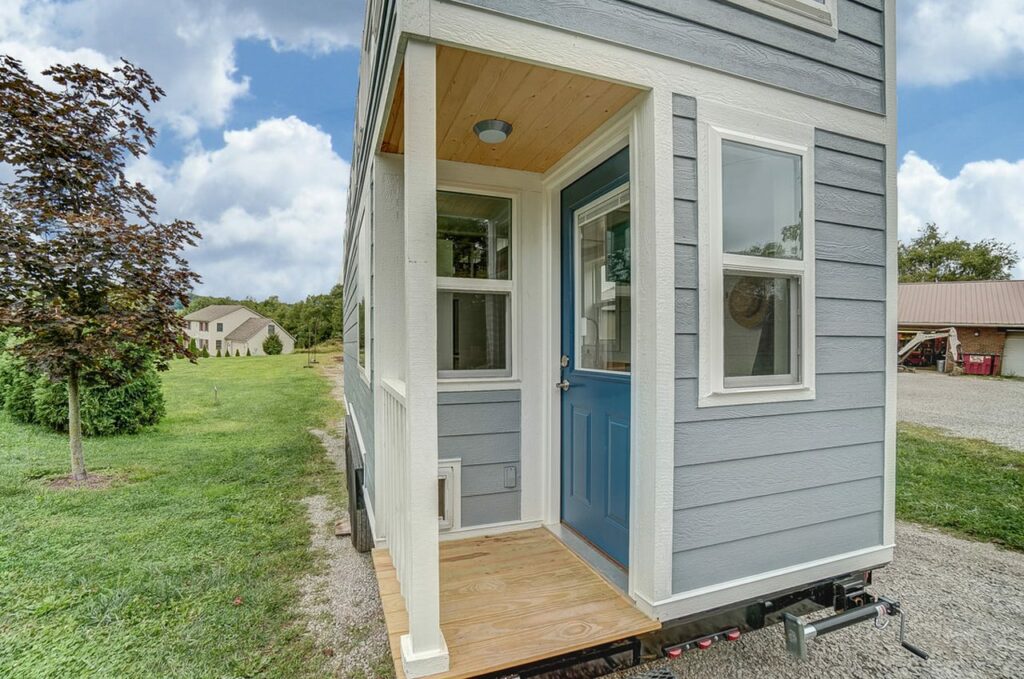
(357, 392)
(849, 69)
(767, 486)
(482, 429)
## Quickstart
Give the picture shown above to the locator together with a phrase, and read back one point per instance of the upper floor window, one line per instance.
(271, 330)
(474, 299)
(220, 327)
(814, 15)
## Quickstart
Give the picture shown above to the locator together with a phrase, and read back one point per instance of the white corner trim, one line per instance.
(423, 664)
(715, 124)
(891, 278)
(765, 584)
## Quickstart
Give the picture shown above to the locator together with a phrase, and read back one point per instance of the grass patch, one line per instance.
(968, 486)
(189, 567)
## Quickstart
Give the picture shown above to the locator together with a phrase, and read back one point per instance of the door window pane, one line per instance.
(759, 326)
(472, 332)
(762, 202)
(473, 236)
(603, 284)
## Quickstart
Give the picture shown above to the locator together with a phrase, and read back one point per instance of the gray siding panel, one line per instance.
(477, 418)
(849, 207)
(488, 479)
(856, 147)
(851, 318)
(841, 280)
(850, 354)
(740, 519)
(765, 486)
(479, 510)
(717, 482)
(714, 440)
(686, 221)
(862, 22)
(686, 267)
(685, 178)
(480, 448)
(848, 70)
(482, 429)
(855, 172)
(839, 243)
(731, 560)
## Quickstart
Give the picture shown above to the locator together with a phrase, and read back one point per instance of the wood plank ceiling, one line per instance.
(550, 111)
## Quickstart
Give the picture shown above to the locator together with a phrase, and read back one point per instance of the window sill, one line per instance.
(756, 395)
(477, 383)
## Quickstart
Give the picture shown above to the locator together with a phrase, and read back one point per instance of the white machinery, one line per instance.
(952, 345)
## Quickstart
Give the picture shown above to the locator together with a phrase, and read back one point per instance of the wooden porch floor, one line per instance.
(512, 599)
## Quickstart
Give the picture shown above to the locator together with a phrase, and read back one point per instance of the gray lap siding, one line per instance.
(357, 391)
(482, 429)
(768, 486)
(849, 69)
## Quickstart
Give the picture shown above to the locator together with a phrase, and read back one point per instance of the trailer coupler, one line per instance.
(799, 634)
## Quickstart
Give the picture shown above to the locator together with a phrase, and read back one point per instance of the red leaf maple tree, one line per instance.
(87, 269)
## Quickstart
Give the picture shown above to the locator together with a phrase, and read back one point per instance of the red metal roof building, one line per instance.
(988, 316)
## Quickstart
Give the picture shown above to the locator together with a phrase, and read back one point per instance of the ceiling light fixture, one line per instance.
(492, 131)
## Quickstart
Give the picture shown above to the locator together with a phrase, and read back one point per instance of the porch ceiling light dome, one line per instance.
(492, 131)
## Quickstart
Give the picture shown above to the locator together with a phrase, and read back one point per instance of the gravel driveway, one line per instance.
(974, 407)
(965, 602)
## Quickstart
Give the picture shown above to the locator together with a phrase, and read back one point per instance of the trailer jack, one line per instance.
(799, 634)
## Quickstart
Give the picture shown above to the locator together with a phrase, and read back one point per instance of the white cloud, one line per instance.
(944, 42)
(270, 204)
(986, 200)
(187, 45)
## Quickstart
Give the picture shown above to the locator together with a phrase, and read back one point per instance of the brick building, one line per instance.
(988, 317)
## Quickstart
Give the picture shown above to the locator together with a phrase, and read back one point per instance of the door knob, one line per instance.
(563, 385)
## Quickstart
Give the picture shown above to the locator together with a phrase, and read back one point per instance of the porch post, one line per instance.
(424, 651)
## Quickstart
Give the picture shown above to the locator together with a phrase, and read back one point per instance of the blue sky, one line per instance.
(256, 128)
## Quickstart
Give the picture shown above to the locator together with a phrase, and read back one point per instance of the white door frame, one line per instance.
(646, 126)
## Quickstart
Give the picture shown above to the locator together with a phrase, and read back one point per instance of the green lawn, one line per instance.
(967, 486)
(141, 580)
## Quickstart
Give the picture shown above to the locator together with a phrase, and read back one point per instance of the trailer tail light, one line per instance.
(701, 643)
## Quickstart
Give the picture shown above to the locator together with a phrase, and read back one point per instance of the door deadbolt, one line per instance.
(564, 361)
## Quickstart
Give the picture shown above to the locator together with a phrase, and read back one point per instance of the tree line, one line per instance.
(314, 320)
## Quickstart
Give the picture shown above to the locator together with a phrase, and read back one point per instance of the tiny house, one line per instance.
(619, 321)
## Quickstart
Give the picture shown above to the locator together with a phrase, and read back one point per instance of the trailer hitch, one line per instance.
(799, 634)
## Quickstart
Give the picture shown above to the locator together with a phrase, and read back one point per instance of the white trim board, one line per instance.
(734, 591)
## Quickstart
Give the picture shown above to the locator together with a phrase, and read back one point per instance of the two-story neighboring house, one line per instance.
(231, 328)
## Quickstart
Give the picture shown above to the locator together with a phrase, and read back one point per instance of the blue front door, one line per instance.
(597, 356)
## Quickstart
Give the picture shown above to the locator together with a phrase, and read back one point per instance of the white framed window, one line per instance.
(815, 15)
(475, 283)
(757, 260)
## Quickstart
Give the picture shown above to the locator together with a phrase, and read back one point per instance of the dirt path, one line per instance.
(341, 601)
